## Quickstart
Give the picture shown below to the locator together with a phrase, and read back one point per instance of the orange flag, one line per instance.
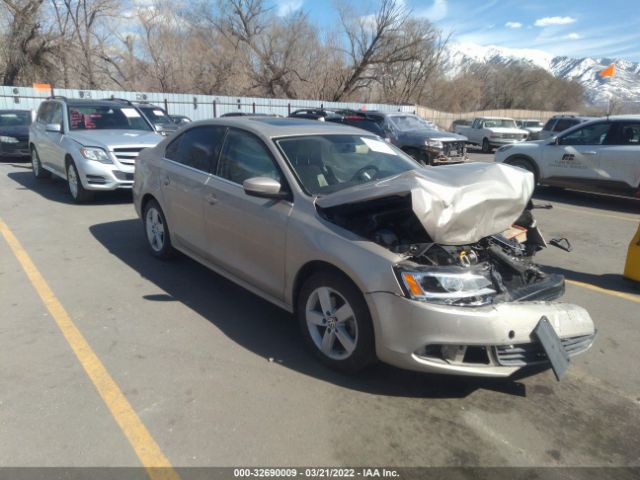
(609, 71)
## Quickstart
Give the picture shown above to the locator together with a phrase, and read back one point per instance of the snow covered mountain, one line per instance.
(625, 85)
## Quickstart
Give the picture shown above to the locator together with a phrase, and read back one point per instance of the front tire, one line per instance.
(36, 164)
(524, 164)
(157, 231)
(335, 322)
(76, 189)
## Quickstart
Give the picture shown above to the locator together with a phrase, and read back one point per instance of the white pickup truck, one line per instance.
(490, 132)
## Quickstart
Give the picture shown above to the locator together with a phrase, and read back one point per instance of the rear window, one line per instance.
(564, 123)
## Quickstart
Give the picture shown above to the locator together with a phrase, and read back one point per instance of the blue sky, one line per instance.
(575, 28)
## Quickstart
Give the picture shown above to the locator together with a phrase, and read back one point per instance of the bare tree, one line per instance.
(26, 47)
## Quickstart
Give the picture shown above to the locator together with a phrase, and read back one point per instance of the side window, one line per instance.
(590, 135)
(563, 124)
(197, 148)
(56, 114)
(44, 112)
(549, 124)
(245, 156)
(629, 134)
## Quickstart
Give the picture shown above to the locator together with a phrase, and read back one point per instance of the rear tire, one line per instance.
(36, 164)
(335, 322)
(76, 189)
(156, 231)
(486, 146)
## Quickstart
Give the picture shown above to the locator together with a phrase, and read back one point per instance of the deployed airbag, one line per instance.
(456, 204)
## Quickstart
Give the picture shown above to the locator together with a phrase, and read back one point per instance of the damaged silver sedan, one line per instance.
(428, 269)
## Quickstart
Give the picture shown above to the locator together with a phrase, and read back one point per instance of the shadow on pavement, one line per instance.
(56, 190)
(610, 281)
(607, 203)
(265, 329)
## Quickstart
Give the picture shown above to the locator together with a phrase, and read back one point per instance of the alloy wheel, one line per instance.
(155, 229)
(72, 179)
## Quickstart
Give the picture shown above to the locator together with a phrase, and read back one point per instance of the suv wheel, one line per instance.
(335, 322)
(525, 165)
(38, 171)
(77, 190)
(486, 146)
(157, 231)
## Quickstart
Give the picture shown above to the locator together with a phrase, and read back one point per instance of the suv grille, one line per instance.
(453, 149)
(127, 155)
(531, 353)
(514, 136)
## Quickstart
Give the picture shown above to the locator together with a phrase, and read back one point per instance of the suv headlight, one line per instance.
(95, 154)
(436, 144)
(448, 286)
(4, 139)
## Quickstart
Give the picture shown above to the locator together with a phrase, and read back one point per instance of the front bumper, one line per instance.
(105, 176)
(498, 142)
(15, 150)
(491, 341)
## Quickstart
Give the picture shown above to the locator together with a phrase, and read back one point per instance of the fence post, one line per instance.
(289, 108)
(215, 109)
(166, 106)
(253, 107)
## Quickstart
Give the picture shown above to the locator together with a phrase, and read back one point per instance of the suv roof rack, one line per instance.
(115, 99)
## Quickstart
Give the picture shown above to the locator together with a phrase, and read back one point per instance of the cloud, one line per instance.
(546, 21)
(513, 25)
(287, 7)
(435, 12)
(572, 36)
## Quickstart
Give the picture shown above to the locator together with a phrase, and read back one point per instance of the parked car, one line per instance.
(158, 117)
(180, 119)
(491, 132)
(93, 144)
(601, 155)
(463, 122)
(377, 257)
(532, 126)
(248, 114)
(14, 134)
(560, 123)
(314, 113)
(420, 140)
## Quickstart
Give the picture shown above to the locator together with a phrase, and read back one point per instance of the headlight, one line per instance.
(448, 286)
(95, 154)
(433, 143)
(4, 139)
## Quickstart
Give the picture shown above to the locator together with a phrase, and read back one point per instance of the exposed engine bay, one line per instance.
(506, 262)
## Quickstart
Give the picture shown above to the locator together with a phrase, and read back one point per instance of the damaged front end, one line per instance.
(492, 270)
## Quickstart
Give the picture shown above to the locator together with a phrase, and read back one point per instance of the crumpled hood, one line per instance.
(456, 204)
(111, 138)
(419, 136)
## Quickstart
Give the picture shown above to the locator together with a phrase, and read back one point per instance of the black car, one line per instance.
(159, 117)
(180, 119)
(353, 118)
(14, 134)
(419, 139)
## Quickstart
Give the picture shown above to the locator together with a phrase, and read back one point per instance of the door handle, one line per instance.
(166, 181)
(590, 152)
(211, 199)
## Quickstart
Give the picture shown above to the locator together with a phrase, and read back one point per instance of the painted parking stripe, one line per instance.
(598, 214)
(606, 291)
(145, 447)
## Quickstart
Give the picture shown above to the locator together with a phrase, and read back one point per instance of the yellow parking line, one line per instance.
(146, 448)
(598, 214)
(606, 291)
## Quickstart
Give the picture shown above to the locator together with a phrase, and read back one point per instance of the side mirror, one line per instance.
(263, 187)
(555, 140)
(54, 127)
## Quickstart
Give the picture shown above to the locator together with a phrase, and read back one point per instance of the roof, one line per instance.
(495, 118)
(76, 102)
(282, 127)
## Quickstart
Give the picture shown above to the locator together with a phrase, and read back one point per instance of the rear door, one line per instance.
(247, 234)
(189, 160)
(575, 160)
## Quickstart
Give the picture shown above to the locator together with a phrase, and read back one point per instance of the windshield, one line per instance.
(99, 117)
(533, 124)
(156, 115)
(500, 123)
(409, 122)
(15, 119)
(329, 163)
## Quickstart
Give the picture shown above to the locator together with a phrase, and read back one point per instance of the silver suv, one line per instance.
(377, 256)
(93, 144)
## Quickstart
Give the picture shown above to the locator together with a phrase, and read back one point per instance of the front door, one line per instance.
(247, 234)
